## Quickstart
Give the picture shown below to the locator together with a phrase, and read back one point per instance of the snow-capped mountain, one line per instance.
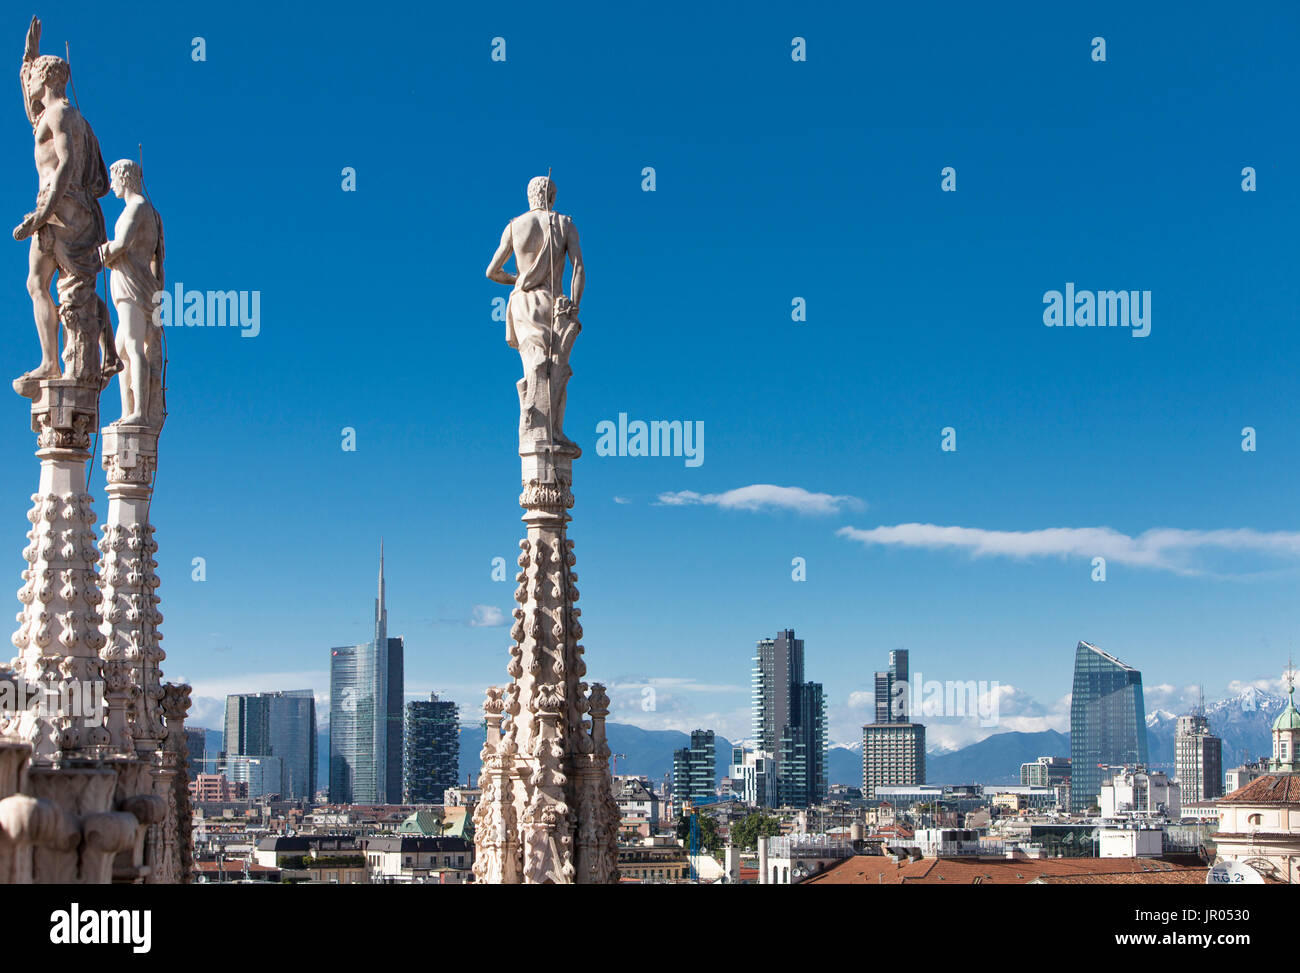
(1243, 722)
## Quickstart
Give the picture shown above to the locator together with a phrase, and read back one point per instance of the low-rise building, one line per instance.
(652, 860)
(414, 860)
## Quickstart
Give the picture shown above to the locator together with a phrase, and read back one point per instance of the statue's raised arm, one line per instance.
(30, 54)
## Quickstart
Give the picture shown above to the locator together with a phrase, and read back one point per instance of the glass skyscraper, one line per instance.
(366, 686)
(1107, 722)
(280, 725)
(694, 771)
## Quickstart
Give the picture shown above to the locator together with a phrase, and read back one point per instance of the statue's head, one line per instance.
(125, 177)
(541, 193)
(50, 72)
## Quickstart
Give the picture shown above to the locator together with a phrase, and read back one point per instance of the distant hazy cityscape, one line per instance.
(386, 794)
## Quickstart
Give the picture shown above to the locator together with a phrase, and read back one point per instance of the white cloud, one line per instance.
(1162, 548)
(487, 616)
(622, 500)
(763, 496)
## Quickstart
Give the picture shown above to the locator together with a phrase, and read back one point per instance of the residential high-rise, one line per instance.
(694, 771)
(431, 758)
(789, 722)
(1107, 722)
(366, 685)
(891, 690)
(892, 754)
(280, 725)
(1198, 758)
(778, 668)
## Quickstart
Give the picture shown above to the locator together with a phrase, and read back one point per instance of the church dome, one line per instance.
(1289, 718)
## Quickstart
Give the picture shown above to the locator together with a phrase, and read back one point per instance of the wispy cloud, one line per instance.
(487, 616)
(622, 500)
(1162, 548)
(764, 496)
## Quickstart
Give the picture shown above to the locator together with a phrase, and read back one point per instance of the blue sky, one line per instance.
(774, 180)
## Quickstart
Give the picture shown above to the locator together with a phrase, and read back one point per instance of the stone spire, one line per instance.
(547, 813)
(88, 774)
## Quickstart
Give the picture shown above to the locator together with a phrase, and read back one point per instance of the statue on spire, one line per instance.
(66, 229)
(541, 321)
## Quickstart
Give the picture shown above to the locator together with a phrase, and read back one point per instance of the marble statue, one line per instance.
(66, 228)
(541, 321)
(134, 258)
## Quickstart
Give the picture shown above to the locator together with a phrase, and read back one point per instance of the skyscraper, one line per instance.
(891, 690)
(893, 749)
(431, 755)
(280, 725)
(1198, 758)
(789, 722)
(366, 686)
(694, 770)
(1107, 722)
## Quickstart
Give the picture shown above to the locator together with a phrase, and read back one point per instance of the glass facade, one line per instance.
(281, 725)
(694, 770)
(1107, 722)
(366, 694)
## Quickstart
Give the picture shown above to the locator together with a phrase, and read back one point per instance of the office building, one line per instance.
(431, 759)
(893, 754)
(892, 704)
(1198, 759)
(789, 723)
(1045, 772)
(366, 684)
(1107, 722)
(280, 725)
(801, 768)
(196, 745)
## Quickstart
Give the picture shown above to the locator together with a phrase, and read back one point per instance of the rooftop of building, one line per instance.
(415, 843)
(883, 870)
(1269, 789)
(1107, 656)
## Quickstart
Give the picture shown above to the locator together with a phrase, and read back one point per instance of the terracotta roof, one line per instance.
(879, 869)
(1269, 789)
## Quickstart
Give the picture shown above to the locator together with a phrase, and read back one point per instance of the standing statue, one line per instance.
(66, 228)
(134, 258)
(540, 320)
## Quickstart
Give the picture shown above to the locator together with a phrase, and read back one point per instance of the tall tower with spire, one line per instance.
(366, 695)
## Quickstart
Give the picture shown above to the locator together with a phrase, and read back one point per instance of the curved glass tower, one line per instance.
(1108, 725)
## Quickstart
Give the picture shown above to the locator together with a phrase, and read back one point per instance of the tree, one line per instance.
(745, 834)
(710, 840)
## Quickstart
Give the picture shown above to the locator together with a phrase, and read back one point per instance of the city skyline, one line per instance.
(1071, 443)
